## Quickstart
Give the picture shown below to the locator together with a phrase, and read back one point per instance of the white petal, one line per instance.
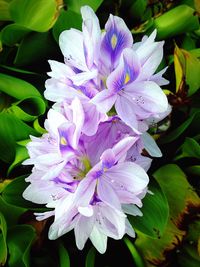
(82, 230)
(99, 240)
(71, 45)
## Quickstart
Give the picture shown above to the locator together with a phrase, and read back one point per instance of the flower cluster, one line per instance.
(89, 167)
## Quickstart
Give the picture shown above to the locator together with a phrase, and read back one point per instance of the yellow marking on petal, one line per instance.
(63, 141)
(114, 41)
(127, 78)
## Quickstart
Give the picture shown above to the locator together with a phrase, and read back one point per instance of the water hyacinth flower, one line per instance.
(90, 168)
(108, 69)
(82, 186)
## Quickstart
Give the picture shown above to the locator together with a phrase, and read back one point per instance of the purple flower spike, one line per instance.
(89, 167)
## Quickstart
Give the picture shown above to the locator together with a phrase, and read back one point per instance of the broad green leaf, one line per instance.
(30, 104)
(181, 197)
(192, 72)
(176, 21)
(13, 34)
(155, 213)
(38, 128)
(10, 212)
(12, 130)
(20, 155)
(187, 69)
(188, 43)
(17, 88)
(90, 258)
(20, 239)
(12, 193)
(67, 19)
(3, 234)
(134, 253)
(189, 256)
(3, 184)
(189, 149)
(4, 11)
(35, 47)
(195, 52)
(37, 15)
(28, 109)
(76, 5)
(137, 9)
(63, 256)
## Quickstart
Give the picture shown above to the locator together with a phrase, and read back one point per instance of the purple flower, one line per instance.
(89, 167)
(107, 69)
(82, 188)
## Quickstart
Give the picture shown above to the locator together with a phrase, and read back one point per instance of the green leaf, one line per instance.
(64, 256)
(28, 109)
(155, 213)
(3, 234)
(181, 197)
(20, 156)
(34, 48)
(17, 88)
(134, 253)
(38, 128)
(189, 149)
(90, 258)
(10, 212)
(176, 21)
(30, 104)
(4, 11)
(67, 19)
(20, 239)
(138, 8)
(13, 34)
(12, 193)
(76, 5)
(37, 15)
(192, 72)
(12, 130)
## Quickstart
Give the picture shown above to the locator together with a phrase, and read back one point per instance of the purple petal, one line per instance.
(108, 159)
(128, 176)
(85, 191)
(126, 111)
(92, 118)
(78, 120)
(112, 222)
(121, 148)
(104, 100)
(148, 96)
(91, 34)
(157, 78)
(116, 38)
(107, 194)
(126, 72)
